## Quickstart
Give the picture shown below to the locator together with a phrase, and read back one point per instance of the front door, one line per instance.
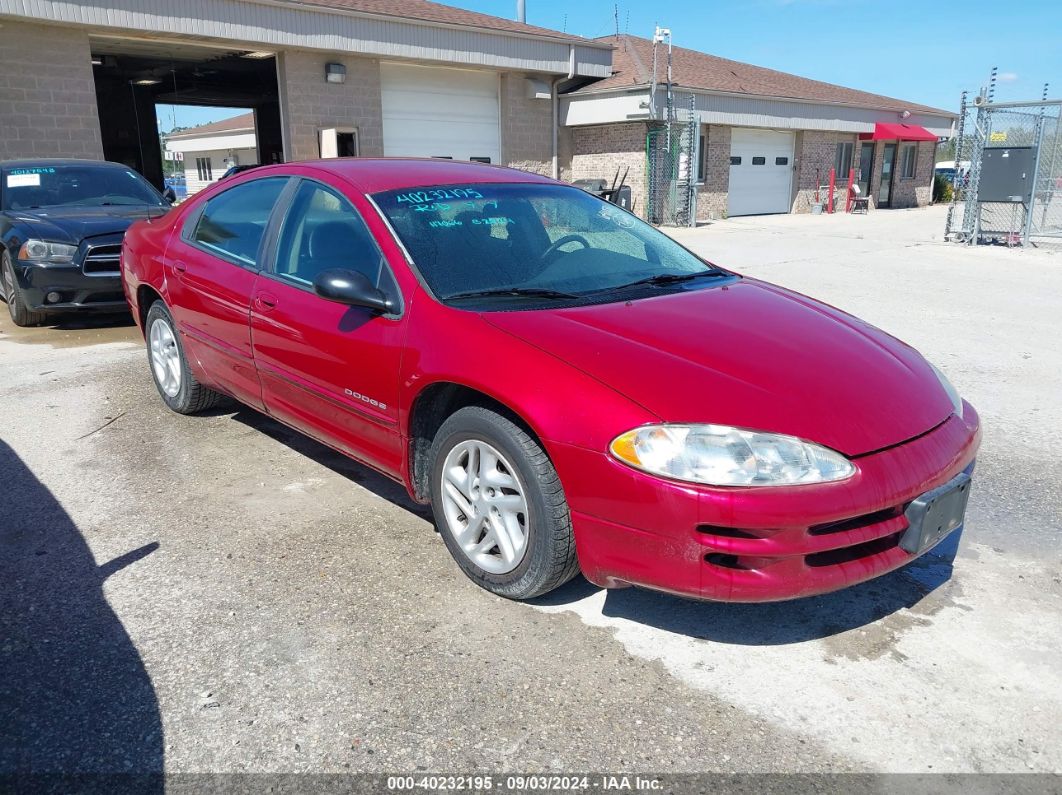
(888, 161)
(866, 167)
(212, 269)
(329, 369)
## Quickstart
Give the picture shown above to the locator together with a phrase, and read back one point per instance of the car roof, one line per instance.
(42, 162)
(377, 174)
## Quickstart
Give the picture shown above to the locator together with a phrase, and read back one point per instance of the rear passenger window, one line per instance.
(323, 230)
(233, 222)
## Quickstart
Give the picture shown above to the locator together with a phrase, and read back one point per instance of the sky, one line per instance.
(925, 52)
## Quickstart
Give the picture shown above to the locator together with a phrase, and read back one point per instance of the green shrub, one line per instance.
(942, 190)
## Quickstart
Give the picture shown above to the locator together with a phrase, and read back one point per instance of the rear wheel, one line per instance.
(499, 505)
(173, 378)
(16, 304)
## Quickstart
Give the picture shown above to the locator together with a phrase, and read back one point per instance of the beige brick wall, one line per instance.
(47, 94)
(309, 103)
(527, 126)
(917, 191)
(597, 151)
(816, 153)
(711, 196)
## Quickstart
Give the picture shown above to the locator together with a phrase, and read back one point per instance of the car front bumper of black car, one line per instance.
(64, 288)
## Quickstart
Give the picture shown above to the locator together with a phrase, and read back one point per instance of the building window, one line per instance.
(910, 161)
(759, 161)
(843, 163)
(735, 161)
(702, 156)
(202, 165)
(781, 161)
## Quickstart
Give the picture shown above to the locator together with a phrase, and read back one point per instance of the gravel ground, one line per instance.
(219, 594)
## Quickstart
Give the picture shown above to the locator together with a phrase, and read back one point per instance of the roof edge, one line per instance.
(635, 87)
(546, 35)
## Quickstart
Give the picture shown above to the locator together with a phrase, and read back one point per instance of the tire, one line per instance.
(16, 305)
(177, 387)
(521, 469)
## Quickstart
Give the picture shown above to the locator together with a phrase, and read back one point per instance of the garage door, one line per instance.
(432, 112)
(761, 171)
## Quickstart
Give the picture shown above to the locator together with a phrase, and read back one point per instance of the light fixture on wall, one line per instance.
(335, 73)
(905, 115)
(147, 81)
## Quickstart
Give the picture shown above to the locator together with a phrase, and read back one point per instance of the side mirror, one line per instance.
(169, 194)
(352, 288)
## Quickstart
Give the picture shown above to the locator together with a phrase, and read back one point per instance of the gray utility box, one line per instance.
(1007, 174)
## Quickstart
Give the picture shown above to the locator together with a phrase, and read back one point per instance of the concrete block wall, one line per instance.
(597, 151)
(527, 126)
(309, 103)
(712, 195)
(47, 93)
(816, 154)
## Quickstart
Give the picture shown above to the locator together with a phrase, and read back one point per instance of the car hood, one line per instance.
(750, 355)
(74, 224)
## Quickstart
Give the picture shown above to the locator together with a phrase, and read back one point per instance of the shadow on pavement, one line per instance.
(75, 697)
(774, 623)
(381, 486)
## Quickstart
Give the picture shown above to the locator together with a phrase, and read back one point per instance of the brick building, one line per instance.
(326, 78)
(764, 141)
(321, 77)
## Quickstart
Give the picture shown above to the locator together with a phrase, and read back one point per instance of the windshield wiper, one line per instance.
(516, 292)
(670, 278)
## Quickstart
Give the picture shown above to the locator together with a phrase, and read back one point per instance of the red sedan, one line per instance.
(568, 387)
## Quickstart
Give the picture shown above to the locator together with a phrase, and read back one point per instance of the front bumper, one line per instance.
(755, 545)
(77, 291)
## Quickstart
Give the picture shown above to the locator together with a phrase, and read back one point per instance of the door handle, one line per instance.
(266, 301)
(179, 266)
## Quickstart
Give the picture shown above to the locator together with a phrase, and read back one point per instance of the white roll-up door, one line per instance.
(761, 171)
(436, 112)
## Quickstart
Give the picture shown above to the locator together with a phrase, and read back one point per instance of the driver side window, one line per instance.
(322, 231)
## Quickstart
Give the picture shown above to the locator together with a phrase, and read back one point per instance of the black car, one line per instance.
(232, 170)
(61, 228)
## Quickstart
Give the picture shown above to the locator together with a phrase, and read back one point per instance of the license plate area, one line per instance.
(935, 514)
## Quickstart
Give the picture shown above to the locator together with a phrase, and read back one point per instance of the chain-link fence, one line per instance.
(1013, 147)
(670, 154)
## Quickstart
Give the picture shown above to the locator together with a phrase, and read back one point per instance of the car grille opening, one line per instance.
(856, 522)
(725, 561)
(724, 532)
(102, 260)
(867, 549)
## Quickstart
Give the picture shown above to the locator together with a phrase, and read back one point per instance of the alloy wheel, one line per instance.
(485, 506)
(165, 357)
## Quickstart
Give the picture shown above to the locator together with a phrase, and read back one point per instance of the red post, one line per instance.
(829, 193)
(851, 195)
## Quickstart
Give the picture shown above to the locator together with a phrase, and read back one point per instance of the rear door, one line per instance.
(212, 268)
(327, 368)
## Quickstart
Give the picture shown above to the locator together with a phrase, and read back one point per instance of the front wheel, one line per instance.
(16, 304)
(499, 505)
(173, 378)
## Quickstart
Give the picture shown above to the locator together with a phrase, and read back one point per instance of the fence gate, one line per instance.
(1007, 186)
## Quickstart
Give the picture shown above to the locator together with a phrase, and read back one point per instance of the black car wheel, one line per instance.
(16, 304)
(499, 505)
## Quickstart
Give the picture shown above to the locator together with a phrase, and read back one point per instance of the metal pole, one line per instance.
(521, 11)
(1027, 230)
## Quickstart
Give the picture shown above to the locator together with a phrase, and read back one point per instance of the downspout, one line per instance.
(556, 111)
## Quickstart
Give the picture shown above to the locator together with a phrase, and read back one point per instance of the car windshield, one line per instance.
(34, 187)
(534, 243)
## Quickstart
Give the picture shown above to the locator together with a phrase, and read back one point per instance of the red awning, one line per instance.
(897, 132)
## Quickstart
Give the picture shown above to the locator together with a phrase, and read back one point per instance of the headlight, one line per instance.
(719, 455)
(43, 251)
(953, 393)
